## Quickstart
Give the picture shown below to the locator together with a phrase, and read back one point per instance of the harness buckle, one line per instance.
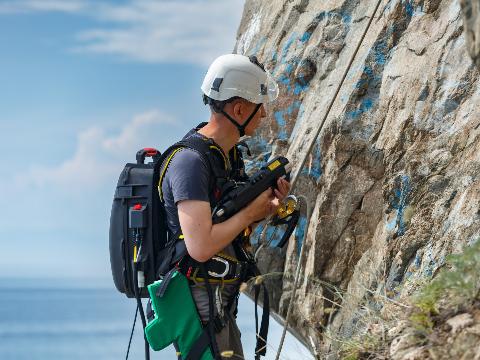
(225, 272)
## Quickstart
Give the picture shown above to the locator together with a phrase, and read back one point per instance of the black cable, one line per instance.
(131, 334)
(140, 306)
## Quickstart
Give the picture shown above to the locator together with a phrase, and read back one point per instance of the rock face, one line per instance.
(393, 179)
(471, 21)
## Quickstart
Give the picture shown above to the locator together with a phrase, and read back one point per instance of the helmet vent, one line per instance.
(263, 89)
(216, 84)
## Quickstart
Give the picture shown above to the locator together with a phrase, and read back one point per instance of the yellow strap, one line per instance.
(225, 160)
(162, 175)
(227, 257)
(198, 280)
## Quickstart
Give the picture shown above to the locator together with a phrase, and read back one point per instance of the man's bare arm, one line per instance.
(203, 239)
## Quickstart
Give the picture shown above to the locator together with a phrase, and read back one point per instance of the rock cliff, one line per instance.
(394, 177)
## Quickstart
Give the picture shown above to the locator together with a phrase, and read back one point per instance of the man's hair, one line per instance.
(218, 105)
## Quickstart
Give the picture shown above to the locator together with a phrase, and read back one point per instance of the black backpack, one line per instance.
(135, 210)
(138, 215)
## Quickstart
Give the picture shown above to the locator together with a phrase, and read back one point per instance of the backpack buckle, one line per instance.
(225, 272)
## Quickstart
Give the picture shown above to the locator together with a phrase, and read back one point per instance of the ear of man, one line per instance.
(241, 109)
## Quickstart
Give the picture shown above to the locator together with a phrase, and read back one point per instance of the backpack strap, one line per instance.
(208, 150)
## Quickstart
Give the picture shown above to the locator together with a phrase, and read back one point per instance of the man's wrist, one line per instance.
(246, 218)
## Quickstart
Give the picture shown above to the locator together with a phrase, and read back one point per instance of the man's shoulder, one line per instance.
(187, 157)
(187, 162)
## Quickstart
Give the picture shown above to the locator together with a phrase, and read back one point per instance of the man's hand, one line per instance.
(283, 188)
(268, 202)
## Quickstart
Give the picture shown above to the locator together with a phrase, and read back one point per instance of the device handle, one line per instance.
(147, 152)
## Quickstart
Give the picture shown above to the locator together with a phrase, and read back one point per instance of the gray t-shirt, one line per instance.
(187, 178)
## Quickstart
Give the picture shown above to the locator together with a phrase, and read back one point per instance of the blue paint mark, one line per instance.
(305, 37)
(315, 170)
(274, 56)
(418, 261)
(282, 133)
(380, 52)
(391, 225)
(409, 8)
(299, 88)
(365, 106)
(286, 47)
(367, 76)
(399, 203)
(257, 47)
(296, 105)
(428, 271)
(346, 18)
(288, 69)
(419, 11)
(255, 237)
(283, 79)
(300, 233)
(258, 145)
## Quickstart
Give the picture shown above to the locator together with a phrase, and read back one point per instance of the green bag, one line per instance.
(176, 317)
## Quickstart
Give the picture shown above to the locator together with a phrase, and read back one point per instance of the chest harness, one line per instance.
(221, 269)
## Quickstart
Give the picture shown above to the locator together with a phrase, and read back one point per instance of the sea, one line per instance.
(83, 319)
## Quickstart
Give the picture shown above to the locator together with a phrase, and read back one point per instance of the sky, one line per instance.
(83, 85)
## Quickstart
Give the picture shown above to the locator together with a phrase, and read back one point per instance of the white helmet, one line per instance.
(236, 75)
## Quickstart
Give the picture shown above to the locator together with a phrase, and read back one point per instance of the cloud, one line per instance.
(166, 31)
(25, 6)
(151, 31)
(99, 156)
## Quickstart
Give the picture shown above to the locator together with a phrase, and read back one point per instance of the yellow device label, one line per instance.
(274, 165)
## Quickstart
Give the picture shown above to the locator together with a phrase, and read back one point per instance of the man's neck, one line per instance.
(223, 134)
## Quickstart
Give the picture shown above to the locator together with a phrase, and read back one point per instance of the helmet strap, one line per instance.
(241, 128)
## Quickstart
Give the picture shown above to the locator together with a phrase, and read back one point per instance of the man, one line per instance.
(235, 87)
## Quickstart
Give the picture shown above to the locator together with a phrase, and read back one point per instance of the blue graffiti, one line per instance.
(409, 8)
(346, 17)
(286, 47)
(380, 52)
(255, 236)
(305, 37)
(296, 105)
(274, 56)
(315, 170)
(282, 133)
(299, 88)
(284, 79)
(289, 69)
(273, 234)
(399, 203)
(365, 106)
(418, 261)
(300, 233)
(257, 46)
(258, 145)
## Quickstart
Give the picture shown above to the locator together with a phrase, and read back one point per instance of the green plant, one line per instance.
(457, 283)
